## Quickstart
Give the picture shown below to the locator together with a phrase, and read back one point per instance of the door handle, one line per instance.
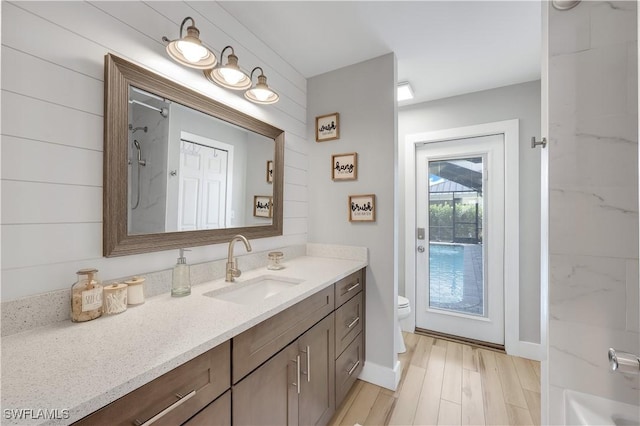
(353, 322)
(353, 367)
(182, 399)
(420, 249)
(297, 383)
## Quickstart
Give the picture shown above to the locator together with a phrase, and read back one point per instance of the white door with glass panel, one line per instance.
(460, 237)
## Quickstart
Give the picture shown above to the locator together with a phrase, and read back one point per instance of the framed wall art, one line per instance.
(263, 206)
(269, 171)
(328, 127)
(344, 166)
(362, 208)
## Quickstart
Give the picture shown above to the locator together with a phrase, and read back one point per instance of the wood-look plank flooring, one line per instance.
(448, 383)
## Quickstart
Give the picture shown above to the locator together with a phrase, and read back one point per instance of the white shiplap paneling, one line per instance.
(35, 161)
(50, 203)
(31, 76)
(31, 118)
(52, 106)
(295, 192)
(29, 245)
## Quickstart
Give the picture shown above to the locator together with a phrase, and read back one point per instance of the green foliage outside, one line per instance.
(441, 221)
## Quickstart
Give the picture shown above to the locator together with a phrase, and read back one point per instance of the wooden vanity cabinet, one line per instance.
(349, 336)
(295, 387)
(300, 383)
(292, 369)
(172, 398)
(316, 401)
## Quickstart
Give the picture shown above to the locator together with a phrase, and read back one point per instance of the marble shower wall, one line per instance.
(150, 214)
(593, 179)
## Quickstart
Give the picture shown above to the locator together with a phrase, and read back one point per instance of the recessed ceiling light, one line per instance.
(404, 91)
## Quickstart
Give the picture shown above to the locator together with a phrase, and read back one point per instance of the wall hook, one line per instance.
(535, 143)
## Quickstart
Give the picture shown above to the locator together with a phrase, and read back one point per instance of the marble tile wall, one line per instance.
(149, 216)
(593, 218)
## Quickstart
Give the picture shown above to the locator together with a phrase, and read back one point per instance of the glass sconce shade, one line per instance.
(230, 75)
(261, 93)
(189, 50)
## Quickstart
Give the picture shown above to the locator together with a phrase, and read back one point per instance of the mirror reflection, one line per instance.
(188, 170)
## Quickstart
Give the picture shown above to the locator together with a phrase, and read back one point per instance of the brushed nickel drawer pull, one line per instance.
(352, 369)
(167, 410)
(297, 383)
(354, 322)
(308, 372)
(353, 286)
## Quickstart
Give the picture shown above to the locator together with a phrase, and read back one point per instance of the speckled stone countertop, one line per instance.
(81, 367)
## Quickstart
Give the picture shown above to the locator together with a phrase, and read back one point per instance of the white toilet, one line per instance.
(404, 310)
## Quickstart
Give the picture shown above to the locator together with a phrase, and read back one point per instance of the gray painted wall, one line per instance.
(521, 101)
(368, 127)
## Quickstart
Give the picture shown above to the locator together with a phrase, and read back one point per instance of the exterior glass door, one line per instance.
(460, 238)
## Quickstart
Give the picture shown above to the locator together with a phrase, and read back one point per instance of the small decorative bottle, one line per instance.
(86, 296)
(181, 282)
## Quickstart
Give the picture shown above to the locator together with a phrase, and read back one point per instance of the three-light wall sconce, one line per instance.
(189, 51)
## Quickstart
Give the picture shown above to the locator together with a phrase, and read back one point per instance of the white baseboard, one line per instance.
(381, 376)
(534, 351)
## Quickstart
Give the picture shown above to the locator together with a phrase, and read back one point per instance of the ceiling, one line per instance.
(443, 48)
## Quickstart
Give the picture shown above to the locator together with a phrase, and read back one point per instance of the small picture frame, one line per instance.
(344, 166)
(269, 171)
(328, 127)
(362, 208)
(263, 206)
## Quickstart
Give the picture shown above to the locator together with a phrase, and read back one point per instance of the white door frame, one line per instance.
(510, 129)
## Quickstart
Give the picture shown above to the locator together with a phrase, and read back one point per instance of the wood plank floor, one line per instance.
(448, 383)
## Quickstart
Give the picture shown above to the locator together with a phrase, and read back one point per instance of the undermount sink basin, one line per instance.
(254, 290)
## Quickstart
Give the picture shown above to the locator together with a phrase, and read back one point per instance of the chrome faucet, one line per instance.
(232, 267)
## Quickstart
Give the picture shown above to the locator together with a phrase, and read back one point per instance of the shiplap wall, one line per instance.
(52, 120)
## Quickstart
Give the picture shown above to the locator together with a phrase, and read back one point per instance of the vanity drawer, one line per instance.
(198, 381)
(349, 286)
(256, 345)
(348, 368)
(218, 413)
(349, 321)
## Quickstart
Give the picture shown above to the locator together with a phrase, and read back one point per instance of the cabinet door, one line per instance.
(269, 395)
(317, 393)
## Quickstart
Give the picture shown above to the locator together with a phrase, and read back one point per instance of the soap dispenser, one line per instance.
(181, 283)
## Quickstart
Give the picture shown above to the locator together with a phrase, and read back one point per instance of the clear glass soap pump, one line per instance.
(181, 282)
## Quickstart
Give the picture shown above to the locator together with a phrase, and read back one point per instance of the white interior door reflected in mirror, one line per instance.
(198, 172)
(203, 186)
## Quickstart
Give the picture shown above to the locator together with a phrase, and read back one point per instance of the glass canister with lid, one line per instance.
(86, 296)
(274, 260)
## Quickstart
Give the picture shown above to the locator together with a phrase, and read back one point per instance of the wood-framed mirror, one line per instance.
(182, 170)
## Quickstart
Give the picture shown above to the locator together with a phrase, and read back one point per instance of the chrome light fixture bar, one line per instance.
(229, 75)
(188, 50)
(261, 93)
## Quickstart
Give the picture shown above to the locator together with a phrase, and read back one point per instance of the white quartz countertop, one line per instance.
(81, 367)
